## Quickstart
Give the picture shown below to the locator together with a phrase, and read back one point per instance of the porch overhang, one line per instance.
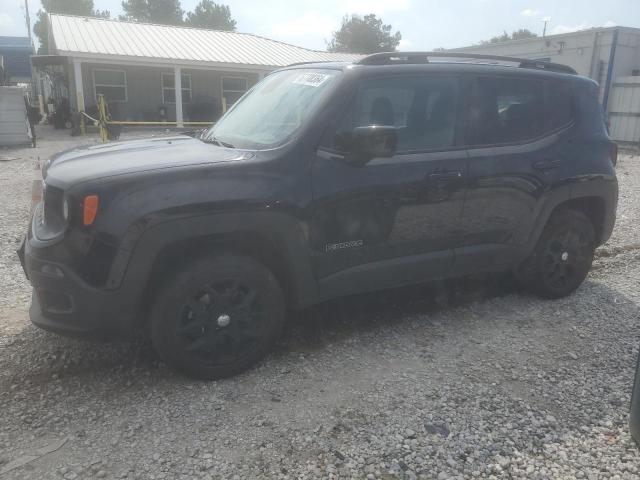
(42, 61)
(165, 63)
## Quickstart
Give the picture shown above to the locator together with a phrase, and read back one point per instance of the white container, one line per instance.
(14, 124)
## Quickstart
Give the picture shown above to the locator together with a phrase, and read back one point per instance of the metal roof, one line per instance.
(21, 42)
(90, 37)
(15, 52)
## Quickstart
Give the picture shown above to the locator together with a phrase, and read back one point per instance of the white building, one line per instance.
(139, 67)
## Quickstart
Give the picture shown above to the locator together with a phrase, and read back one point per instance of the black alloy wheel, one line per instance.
(567, 254)
(563, 256)
(221, 322)
(217, 316)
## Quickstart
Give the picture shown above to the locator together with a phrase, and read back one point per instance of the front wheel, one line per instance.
(563, 256)
(218, 316)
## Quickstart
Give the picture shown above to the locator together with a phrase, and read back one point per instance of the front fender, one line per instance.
(132, 267)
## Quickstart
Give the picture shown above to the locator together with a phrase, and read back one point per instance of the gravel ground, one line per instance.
(469, 379)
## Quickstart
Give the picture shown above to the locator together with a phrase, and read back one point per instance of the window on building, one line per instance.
(232, 89)
(169, 88)
(423, 110)
(508, 110)
(110, 83)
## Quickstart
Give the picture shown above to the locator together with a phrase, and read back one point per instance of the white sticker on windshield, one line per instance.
(310, 79)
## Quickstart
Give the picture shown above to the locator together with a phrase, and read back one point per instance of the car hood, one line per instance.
(94, 162)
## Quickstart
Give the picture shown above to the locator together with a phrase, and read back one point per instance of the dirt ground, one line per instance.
(466, 379)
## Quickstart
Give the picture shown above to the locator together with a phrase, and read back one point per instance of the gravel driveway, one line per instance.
(466, 379)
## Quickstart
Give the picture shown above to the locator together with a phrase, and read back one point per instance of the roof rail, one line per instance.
(395, 58)
(316, 61)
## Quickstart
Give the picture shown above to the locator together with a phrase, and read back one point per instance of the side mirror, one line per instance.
(373, 141)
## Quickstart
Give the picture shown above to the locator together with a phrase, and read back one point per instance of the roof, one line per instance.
(19, 42)
(91, 37)
(546, 38)
(15, 52)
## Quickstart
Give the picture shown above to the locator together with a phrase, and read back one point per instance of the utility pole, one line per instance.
(28, 20)
(544, 30)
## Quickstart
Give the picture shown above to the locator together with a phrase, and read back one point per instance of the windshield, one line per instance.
(273, 110)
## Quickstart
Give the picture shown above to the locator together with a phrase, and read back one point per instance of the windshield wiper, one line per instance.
(215, 141)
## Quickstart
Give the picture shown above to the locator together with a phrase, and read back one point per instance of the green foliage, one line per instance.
(364, 35)
(70, 7)
(517, 35)
(166, 12)
(209, 14)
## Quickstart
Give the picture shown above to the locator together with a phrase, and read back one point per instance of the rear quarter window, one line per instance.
(559, 104)
(507, 110)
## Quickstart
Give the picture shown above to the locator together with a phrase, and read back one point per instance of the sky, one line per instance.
(424, 24)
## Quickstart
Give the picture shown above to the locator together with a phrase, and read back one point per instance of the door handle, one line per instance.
(451, 175)
(543, 165)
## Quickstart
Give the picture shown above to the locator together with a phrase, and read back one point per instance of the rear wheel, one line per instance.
(563, 256)
(218, 316)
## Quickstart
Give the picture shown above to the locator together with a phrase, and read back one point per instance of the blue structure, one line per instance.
(16, 52)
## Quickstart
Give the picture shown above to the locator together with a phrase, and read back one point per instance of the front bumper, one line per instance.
(63, 303)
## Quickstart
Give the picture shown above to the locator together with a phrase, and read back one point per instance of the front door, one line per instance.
(393, 220)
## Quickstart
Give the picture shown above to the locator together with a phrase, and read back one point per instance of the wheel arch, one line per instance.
(253, 244)
(592, 207)
(274, 239)
(600, 209)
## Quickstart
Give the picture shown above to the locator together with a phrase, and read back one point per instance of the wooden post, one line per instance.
(102, 117)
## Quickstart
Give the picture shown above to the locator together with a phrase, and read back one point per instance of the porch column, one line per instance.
(178, 89)
(77, 78)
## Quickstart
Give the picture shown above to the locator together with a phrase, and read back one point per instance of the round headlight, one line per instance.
(45, 168)
(65, 209)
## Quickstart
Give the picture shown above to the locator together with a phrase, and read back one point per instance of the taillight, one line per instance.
(613, 153)
(89, 209)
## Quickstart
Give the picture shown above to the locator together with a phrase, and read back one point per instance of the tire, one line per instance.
(562, 257)
(218, 316)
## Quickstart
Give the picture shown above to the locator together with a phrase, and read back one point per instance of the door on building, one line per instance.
(394, 220)
(518, 129)
(624, 111)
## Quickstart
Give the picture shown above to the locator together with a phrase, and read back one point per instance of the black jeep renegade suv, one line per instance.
(324, 180)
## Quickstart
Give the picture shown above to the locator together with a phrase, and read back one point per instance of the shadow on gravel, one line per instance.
(41, 356)
(311, 329)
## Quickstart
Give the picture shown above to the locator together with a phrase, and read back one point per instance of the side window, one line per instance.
(110, 83)
(559, 105)
(423, 110)
(507, 110)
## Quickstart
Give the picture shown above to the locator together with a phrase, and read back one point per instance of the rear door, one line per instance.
(520, 150)
(394, 220)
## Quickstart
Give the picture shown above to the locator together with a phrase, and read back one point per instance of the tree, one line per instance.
(517, 35)
(70, 7)
(364, 35)
(166, 12)
(208, 14)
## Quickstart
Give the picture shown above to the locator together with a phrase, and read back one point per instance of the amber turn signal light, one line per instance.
(90, 209)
